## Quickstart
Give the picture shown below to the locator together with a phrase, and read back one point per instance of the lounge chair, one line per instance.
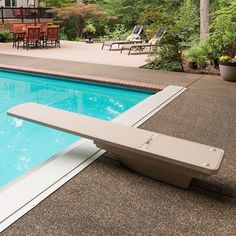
(151, 43)
(133, 38)
(172, 160)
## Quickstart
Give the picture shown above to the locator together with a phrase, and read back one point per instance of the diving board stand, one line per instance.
(172, 160)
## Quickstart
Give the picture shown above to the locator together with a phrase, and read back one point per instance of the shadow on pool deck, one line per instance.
(108, 199)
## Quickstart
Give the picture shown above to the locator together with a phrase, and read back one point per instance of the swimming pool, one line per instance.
(25, 145)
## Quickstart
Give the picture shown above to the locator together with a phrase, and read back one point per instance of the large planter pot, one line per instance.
(228, 71)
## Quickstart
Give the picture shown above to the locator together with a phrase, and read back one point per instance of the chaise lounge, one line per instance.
(133, 38)
(151, 43)
(172, 160)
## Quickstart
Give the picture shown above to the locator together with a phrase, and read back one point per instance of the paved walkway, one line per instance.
(109, 199)
(80, 52)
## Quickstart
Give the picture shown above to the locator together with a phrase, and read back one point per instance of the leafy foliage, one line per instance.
(123, 10)
(223, 28)
(181, 31)
(5, 36)
(89, 28)
(179, 17)
(187, 22)
(168, 54)
(56, 3)
(79, 13)
(119, 33)
(198, 54)
(222, 36)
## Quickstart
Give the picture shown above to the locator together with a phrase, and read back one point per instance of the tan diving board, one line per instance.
(172, 160)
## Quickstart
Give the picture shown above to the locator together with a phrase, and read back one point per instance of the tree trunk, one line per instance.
(204, 19)
(79, 27)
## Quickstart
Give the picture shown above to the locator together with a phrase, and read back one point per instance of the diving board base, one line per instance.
(154, 168)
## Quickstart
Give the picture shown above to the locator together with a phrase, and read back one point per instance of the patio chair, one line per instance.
(172, 160)
(17, 30)
(52, 36)
(32, 37)
(141, 46)
(134, 37)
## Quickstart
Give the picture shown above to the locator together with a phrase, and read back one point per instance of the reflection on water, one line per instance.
(24, 145)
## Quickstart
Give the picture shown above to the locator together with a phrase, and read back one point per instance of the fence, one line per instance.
(24, 13)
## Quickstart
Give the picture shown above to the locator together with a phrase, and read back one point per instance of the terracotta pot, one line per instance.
(228, 71)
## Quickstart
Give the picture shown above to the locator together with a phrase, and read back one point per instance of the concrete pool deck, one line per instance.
(108, 199)
(80, 52)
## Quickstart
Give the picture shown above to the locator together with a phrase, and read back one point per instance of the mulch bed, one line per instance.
(209, 69)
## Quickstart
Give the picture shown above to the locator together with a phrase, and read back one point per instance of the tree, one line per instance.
(222, 39)
(187, 22)
(80, 13)
(204, 19)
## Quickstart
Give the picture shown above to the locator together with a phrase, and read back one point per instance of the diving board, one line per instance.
(172, 160)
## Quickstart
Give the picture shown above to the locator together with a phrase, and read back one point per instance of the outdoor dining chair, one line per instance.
(32, 37)
(52, 36)
(17, 36)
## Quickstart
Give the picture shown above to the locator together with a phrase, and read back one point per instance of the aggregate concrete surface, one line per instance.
(109, 199)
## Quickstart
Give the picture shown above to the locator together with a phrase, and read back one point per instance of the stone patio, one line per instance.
(109, 199)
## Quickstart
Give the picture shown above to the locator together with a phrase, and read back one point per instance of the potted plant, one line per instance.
(227, 66)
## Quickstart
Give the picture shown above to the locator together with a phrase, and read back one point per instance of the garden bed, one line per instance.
(209, 69)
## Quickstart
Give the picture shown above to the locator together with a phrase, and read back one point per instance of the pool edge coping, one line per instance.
(154, 87)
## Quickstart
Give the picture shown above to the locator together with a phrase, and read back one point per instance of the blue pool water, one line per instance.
(24, 145)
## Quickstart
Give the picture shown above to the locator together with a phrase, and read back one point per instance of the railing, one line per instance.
(23, 13)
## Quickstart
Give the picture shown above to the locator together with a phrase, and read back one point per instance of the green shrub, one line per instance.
(188, 23)
(168, 54)
(222, 36)
(181, 21)
(165, 60)
(89, 29)
(69, 30)
(5, 36)
(119, 33)
(221, 40)
(63, 36)
(197, 54)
